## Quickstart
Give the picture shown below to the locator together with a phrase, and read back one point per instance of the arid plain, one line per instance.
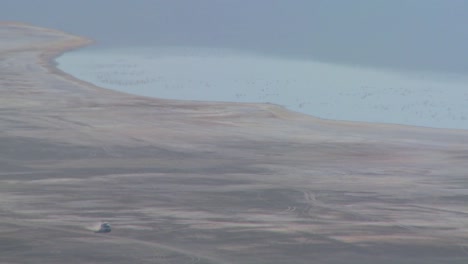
(201, 182)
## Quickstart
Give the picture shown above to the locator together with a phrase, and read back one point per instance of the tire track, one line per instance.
(313, 201)
(290, 209)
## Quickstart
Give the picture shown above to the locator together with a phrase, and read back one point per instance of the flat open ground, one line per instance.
(200, 182)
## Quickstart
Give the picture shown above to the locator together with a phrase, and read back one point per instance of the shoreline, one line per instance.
(48, 55)
(47, 60)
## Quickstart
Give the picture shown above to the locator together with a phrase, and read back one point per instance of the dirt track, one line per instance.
(201, 182)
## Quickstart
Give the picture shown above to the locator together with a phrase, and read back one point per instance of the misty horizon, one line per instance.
(422, 35)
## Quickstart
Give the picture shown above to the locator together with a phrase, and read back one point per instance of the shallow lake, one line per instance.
(330, 91)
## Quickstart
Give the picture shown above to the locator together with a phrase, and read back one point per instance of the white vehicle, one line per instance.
(104, 228)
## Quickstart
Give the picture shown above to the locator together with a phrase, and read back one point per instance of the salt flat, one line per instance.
(201, 182)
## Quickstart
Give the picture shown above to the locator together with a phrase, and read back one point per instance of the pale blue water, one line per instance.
(320, 89)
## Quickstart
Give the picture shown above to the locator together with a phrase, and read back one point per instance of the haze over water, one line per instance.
(393, 61)
(325, 90)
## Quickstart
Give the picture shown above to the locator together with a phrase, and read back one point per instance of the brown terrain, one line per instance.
(200, 182)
